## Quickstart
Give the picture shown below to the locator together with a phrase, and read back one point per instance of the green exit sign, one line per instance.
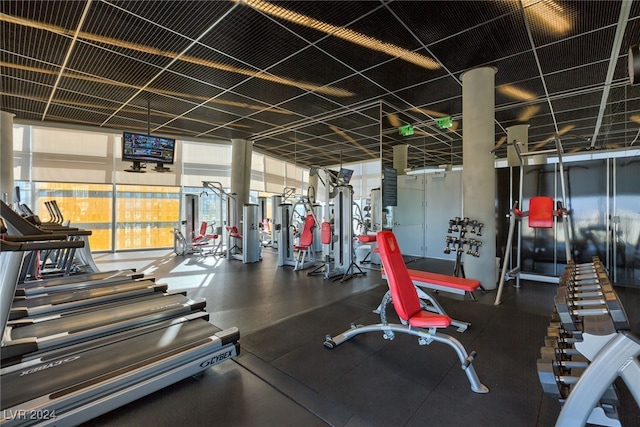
(445, 122)
(405, 130)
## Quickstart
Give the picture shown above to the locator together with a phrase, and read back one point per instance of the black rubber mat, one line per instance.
(402, 383)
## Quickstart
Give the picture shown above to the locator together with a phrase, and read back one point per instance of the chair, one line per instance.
(415, 320)
(304, 246)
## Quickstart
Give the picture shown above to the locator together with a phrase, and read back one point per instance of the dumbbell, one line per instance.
(568, 309)
(562, 336)
(479, 229)
(474, 245)
(603, 286)
(599, 291)
(552, 380)
(559, 353)
(449, 240)
(584, 275)
(464, 223)
(556, 379)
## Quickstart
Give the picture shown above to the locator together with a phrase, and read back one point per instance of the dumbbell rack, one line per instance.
(460, 244)
(588, 346)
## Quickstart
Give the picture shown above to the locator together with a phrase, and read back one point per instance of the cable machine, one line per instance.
(543, 213)
(197, 237)
(290, 236)
(337, 226)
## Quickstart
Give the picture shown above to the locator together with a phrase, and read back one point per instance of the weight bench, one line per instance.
(443, 282)
(415, 320)
(438, 282)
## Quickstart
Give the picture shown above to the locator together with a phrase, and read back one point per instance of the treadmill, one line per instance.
(75, 384)
(76, 299)
(18, 226)
(33, 335)
(82, 280)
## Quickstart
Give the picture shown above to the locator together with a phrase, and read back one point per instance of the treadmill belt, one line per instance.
(99, 317)
(82, 294)
(66, 374)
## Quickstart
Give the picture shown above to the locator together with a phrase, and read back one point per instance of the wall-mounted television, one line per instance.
(145, 148)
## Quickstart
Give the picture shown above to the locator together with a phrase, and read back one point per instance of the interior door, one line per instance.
(408, 224)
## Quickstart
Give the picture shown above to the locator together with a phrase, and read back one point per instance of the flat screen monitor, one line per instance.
(345, 175)
(145, 148)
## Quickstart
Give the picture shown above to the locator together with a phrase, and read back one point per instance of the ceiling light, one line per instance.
(151, 89)
(565, 129)
(635, 118)
(394, 120)
(326, 90)
(429, 113)
(501, 141)
(343, 33)
(352, 141)
(549, 14)
(528, 112)
(81, 105)
(516, 93)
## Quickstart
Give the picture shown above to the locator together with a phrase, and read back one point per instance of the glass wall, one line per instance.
(602, 198)
(83, 172)
(146, 216)
(86, 206)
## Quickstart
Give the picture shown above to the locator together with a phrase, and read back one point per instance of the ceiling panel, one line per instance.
(315, 82)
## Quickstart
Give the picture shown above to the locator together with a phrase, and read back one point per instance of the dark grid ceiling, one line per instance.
(323, 82)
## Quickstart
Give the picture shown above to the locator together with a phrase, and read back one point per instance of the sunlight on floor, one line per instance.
(192, 281)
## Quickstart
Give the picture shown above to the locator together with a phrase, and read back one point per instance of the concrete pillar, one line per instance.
(478, 169)
(6, 157)
(241, 151)
(517, 133)
(400, 154)
(313, 182)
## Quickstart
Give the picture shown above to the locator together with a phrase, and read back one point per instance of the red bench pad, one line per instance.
(459, 283)
(427, 319)
(467, 285)
(367, 238)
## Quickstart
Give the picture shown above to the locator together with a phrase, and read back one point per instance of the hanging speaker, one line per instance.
(634, 64)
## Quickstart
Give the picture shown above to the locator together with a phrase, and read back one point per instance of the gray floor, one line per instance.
(284, 376)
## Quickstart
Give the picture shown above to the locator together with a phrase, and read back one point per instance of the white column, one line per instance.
(6, 157)
(313, 182)
(478, 172)
(241, 150)
(400, 154)
(517, 133)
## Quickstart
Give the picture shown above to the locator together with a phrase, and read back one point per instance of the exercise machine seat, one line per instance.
(306, 237)
(204, 237)
(541, 212)
(233, 231)
(367, 238)
(403, 292)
